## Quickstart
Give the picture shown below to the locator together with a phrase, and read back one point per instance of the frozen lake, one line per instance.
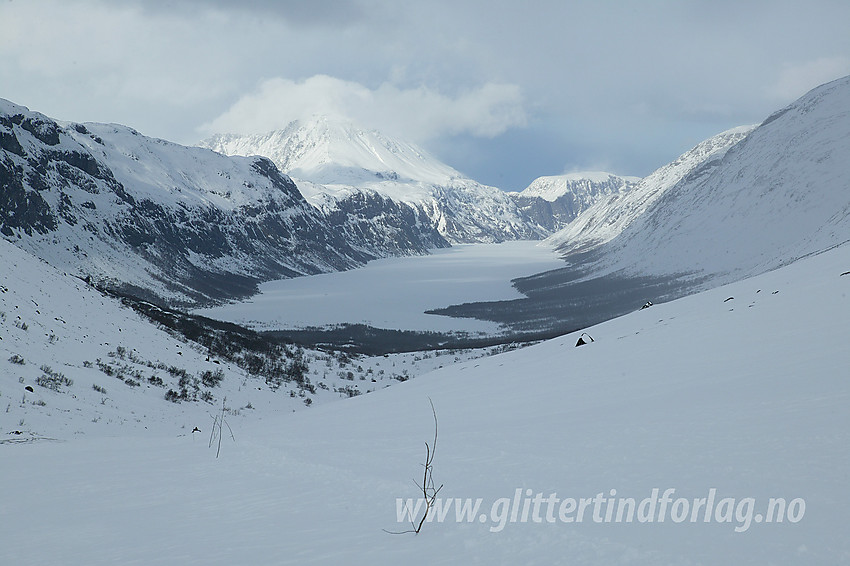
(394, 293)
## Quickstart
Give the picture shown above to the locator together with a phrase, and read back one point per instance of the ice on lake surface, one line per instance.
(395, 293)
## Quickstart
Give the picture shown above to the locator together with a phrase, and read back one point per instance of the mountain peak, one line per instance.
(332, 150)
(553, 187)
(594, 176)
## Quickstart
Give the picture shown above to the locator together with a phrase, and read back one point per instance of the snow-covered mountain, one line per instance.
(156, 218)
(334, 161)
(555, 201)
(335, 151)
(582, 185)
(739, 204)
(781, 193)
(612, 212)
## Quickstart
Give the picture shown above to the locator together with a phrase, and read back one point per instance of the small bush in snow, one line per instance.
(52, 380)
(189, 388)
(178, 372)
(212, 378)
(349, 391)
(105, 368)
(16, 359)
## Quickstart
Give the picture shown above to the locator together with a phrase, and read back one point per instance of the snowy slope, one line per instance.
(332, 160)
(745, 395)
(555, 201)
(611, 213)
(54, 320)
(780, 194)
(120, 367)
(164, 220)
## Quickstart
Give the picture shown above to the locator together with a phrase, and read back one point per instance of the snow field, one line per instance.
(748, 396)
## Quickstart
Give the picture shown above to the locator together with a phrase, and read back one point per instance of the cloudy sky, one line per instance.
(503, 91)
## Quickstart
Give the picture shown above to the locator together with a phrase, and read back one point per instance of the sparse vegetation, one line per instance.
(218, 422)
(349, 391)
(268, 356)
(260, 355)
(212, 378)
(52, 380)
(427, 487)
(16, 359)
(189, 387)
(105, 368)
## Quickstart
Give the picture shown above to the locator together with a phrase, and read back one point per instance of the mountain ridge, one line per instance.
(161, 220)
(610, 215)
(556, 200)
(779, 194)
(331, 160)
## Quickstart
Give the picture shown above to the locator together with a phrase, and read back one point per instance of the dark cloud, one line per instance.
(318, 13)
(533, 88)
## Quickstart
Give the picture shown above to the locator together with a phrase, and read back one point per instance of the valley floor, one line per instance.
(742, 389)
(394, 293)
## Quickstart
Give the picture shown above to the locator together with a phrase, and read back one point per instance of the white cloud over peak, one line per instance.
(796, 80)
(419, 113)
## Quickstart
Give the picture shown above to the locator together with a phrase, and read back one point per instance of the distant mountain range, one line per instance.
(186, 225)
(604, 218)
(337, 164)
(555, 201)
